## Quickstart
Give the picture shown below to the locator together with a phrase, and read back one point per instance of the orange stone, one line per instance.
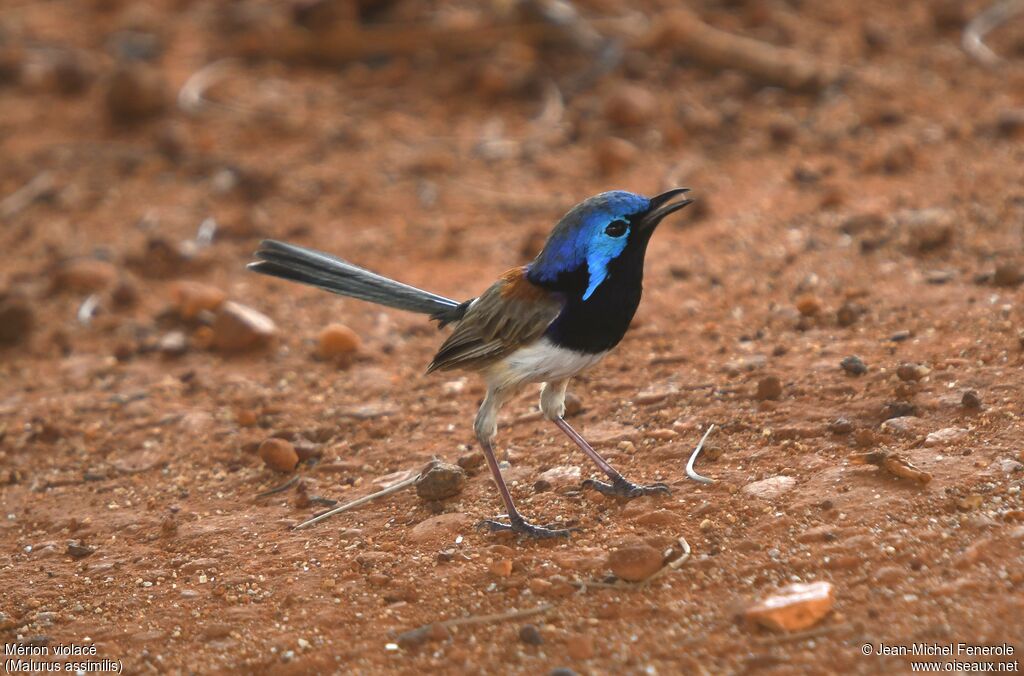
(190, 298)
(794, 607)
(279, 455)
(337, 340)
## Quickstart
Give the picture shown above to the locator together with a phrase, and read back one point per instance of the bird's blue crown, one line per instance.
(594, 232)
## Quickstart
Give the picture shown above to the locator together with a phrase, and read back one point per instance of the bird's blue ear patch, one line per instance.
(602, 250)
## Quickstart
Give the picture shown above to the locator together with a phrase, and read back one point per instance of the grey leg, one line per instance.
(619, 485)
(486, 429)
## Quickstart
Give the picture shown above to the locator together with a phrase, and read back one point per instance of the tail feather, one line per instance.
(307, 266)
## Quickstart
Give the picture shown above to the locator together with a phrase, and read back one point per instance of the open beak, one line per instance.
(662, 205)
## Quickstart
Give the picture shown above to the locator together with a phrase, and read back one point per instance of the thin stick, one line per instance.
(423, 633)
(394, 488)
(690, 472)
(973, 40)
(279, 489)
(26, 194)
(496, 617)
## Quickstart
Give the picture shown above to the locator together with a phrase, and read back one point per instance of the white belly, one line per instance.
(540, 362)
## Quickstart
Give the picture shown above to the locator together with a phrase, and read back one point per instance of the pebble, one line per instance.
(634, 561)
(85, 275)
(1008, 274)
(17, 319)
(847, 314)
(770, 488)
(562, 475)
(808, 306)
(840, 426)
(77, 550)
(530, 635)
(745, 364)
(173, 344)
(854, 365)
(630, 106)
(500, 568)
(189, 298)
(136, 92)
(793, 608)
(944, 436)
(238, 328)
(337, 340)
(443, 526)
(769, 388)
(440, 481)
(902, 426)
(927, 229)
(579, 646)
(971, 401)
(279, 455)
(612, 155)
(912, 372)
(471, 461)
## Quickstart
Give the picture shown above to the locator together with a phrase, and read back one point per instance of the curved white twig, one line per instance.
(690, 472)
(973, 40)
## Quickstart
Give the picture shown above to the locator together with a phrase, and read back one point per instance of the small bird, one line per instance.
(543, 322)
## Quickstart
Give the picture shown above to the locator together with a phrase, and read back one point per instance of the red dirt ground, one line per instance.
(881, 217)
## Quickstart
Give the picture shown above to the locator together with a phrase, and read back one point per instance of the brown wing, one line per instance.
(510, 314)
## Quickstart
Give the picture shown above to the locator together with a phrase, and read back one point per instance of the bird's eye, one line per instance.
(616, 229)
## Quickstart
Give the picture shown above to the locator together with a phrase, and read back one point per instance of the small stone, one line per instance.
(630, 106)
(471, 461)
(580, 646)
(927, 229)
(912, 372)
(440, 481)
(77, 550)
(769, 388)
(237, 328)
(1008, 274)
(17, 319)
(500, 568)
(793, 608)
(944, 436)
(85, 275)
(562, 475)
(770, 488)
(189, 298)
(173, 344)
(635, 561)
(530, 635)
(337, 341)
(840, 426)
(854, 365)
(279, 455)
(612, 155)
(441, 527)
(971, 401)
(847, 314)
(902, 426)
(136, 92)
(808, 306)
(706, 525)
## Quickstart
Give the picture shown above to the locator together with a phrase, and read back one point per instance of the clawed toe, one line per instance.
(524, 527)
(626, 489)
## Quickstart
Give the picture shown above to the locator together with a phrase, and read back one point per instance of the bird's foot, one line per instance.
(625, 489)
(518, 524)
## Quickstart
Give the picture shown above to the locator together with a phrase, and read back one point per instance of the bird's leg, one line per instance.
(619, 486)
(552, 403)
(486, 429)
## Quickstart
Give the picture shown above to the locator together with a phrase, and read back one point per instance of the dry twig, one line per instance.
(439, 629)
(393, 488)
(686, 33)
(690, 472)
(27, 194)
(973, 40)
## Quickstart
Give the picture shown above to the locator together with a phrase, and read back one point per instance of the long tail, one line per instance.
(324, 271)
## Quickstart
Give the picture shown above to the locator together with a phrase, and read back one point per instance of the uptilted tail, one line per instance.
(324, 271)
